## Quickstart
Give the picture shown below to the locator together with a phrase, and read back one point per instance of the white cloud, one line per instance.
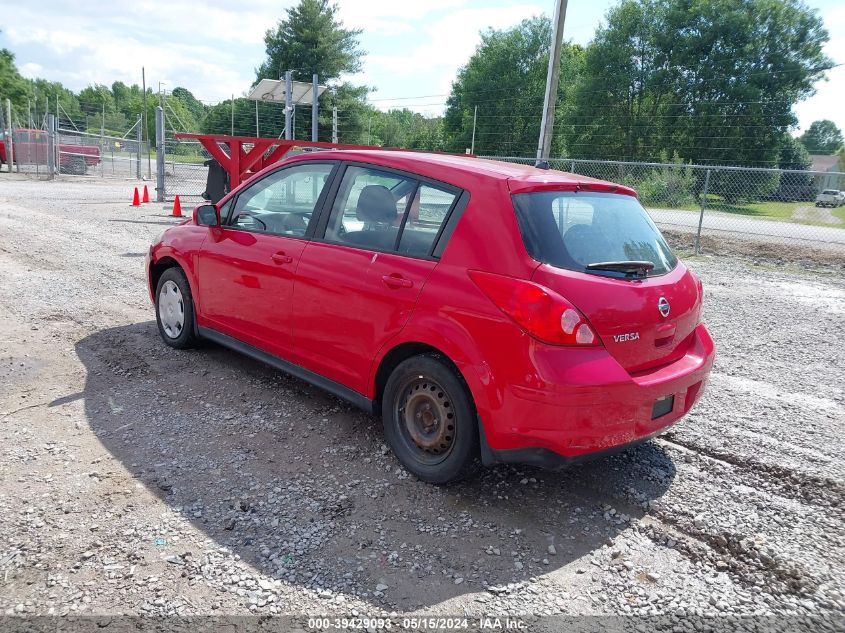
(449, 41)
(415, 47)
(829, 100)
(452, 39)
(31, 70)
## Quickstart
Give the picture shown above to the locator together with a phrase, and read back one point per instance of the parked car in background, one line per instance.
(488, 311)
(30, 148)
(830, 198)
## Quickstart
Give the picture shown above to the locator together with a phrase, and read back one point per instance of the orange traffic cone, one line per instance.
(136, 202)
(177, 208)
(146, 197)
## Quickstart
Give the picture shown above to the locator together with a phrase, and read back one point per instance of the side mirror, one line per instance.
(206, 215)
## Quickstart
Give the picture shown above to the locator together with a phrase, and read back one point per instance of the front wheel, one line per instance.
(175, 309)
(429, 420)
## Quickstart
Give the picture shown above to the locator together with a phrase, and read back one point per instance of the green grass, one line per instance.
(180, 158)
(766, 210)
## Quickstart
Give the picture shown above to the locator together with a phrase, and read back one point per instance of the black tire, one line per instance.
(436, 439)
(168, 305)
(74, 165)
(79, 166)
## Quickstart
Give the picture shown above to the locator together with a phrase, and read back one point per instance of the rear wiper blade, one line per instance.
(627, 267)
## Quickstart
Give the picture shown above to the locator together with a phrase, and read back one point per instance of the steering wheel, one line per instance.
(252, 218)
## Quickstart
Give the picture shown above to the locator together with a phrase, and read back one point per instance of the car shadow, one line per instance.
(302, 486)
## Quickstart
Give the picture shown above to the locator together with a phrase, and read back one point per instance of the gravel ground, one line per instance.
(142, 480)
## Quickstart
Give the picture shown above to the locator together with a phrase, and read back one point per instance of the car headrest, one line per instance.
(376, 204)
(579, 241)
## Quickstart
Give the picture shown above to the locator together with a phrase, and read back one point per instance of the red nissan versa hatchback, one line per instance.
(490, 311)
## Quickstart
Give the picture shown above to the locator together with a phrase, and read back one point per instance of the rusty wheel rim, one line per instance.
(426, 419)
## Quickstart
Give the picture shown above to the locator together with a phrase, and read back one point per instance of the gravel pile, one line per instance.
(137, 479)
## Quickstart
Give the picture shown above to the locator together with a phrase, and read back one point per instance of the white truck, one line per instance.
(830, 198)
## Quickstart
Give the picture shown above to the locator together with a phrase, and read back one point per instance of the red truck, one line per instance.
(30, 148)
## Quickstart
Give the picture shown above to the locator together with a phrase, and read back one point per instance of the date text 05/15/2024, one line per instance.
(432, 624)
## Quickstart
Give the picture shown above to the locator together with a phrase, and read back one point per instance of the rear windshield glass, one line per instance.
(572, 230)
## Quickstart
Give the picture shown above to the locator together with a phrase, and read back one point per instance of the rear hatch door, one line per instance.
(643, 323)
(600, 250)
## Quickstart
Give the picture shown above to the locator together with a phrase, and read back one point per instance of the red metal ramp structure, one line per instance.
(240, 163)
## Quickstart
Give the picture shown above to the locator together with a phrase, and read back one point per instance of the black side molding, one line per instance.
(334, 388)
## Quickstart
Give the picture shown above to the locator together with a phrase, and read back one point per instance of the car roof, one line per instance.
(446, 166)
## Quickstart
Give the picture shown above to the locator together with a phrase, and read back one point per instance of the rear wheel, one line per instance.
(429, 420)
(175, 309)
(74, 165)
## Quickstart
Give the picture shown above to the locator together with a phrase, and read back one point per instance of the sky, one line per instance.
(413, 47)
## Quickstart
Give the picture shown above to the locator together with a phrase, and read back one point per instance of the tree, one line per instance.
(506, 79)
(794, 157)
(12, 85)
(191, 103)
(822, 137)
(92, 99)
(714, 80)
(46, 93)
(218, 119)
(311, 40)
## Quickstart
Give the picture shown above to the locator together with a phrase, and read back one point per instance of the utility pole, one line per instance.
(159, 154)
(140, 144)
(334, 124)
(288, 103)
(233, 116)
(102, 141)
(10, 145)
(162, 102)
(256, 120)
(547, 124)
(474, 117)
(314, 106)
(145, 123)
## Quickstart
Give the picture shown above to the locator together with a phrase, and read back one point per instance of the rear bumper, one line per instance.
(583, 404)
(548, 459)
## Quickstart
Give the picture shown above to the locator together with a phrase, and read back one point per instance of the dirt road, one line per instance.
(138, 479)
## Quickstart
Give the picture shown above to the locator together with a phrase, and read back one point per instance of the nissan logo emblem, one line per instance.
(663, 306)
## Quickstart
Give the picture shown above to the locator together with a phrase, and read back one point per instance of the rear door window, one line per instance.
(388, 211)
(369, 208)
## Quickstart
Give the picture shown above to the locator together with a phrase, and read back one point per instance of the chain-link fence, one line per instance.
(185, 160)
(185, 168)
(46, 151)
(82, 153)
(696, 202)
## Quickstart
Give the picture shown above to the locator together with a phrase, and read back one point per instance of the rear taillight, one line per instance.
(538, 310)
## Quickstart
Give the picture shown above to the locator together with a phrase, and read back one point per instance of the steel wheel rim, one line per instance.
(171, 309)
(426, 420)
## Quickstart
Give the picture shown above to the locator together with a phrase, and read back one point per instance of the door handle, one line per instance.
(397, 281)
(281, 258)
